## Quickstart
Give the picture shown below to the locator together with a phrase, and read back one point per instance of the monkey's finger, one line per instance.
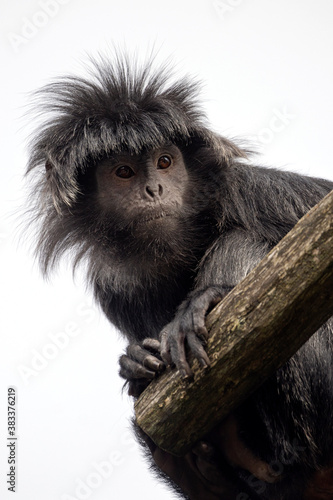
(198, 350)
(178, 355)
(153, 345)
(130, 369)
(201, 332)
(154, 364)
(145, 358)
(173, 350)
(164, 348)
(199, 323)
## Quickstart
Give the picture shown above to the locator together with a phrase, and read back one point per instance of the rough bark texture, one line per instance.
(253, 332)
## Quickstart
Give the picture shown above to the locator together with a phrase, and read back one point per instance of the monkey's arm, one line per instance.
(226, 263)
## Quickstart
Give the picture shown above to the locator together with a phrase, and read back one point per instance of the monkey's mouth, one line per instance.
(154, 216)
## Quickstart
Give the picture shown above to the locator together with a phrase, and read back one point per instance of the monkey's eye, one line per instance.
(164, 162)
(124, 172)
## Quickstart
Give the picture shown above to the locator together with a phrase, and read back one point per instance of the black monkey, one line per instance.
(168, 216)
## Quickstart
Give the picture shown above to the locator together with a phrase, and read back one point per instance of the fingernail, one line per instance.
(186, 374)
(157, 365)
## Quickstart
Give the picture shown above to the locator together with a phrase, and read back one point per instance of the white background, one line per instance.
(259, 60)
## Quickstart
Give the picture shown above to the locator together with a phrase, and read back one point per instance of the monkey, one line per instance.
(167, 216)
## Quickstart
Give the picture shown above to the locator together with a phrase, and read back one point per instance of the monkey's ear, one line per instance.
(226, 149)
(220, 149)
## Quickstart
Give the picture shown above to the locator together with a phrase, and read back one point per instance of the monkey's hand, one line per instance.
(140, 365)
(186, 336)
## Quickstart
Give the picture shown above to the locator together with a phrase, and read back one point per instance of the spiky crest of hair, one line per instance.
(123, 107)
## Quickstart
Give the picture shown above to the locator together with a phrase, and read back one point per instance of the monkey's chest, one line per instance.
(144, 312)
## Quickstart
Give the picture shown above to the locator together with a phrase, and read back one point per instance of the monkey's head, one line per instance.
(124, 163)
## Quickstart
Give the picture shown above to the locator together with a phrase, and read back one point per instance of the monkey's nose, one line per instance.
(154, 192)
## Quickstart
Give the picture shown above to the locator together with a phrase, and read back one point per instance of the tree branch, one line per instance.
(261, 323)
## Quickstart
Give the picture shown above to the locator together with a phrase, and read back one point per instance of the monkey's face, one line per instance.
(144, 192)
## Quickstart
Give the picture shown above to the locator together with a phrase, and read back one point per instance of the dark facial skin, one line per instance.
(148, 187)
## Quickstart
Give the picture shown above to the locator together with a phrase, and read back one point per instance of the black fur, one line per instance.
(233, 215)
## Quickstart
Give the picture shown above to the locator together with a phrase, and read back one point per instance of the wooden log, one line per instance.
(261, 323)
